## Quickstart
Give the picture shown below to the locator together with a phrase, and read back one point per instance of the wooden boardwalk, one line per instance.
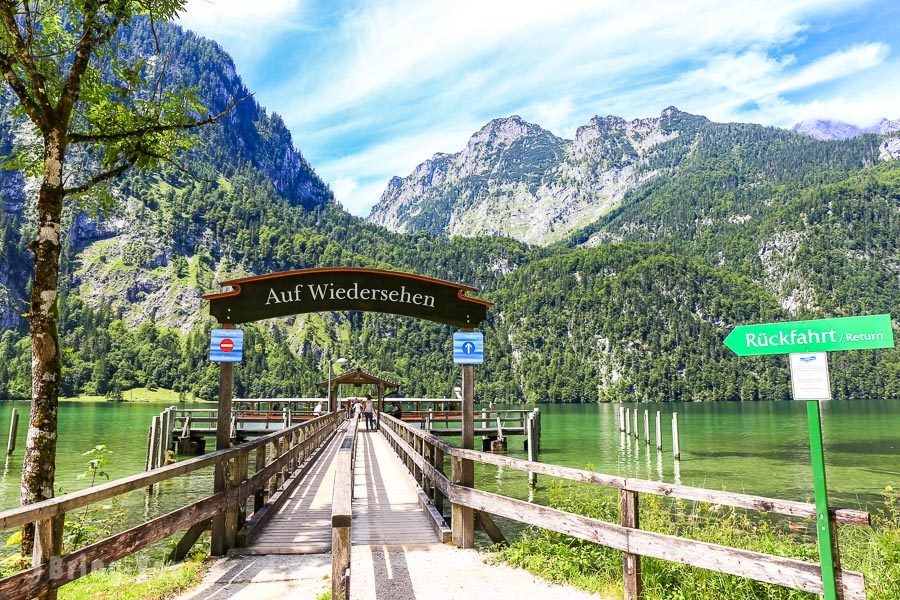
(386, 509)
(303, 524)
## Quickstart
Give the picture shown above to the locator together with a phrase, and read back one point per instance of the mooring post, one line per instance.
(676, 446)
(621, 418)
(13, 429)
(647, 427)
(627, 421)
(223, 441)
(532, 447)
(634, 416)
(658, 432)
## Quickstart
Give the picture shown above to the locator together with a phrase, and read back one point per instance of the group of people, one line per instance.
(369, 411)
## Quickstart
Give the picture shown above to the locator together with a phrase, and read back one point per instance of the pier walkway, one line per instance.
(386, 507)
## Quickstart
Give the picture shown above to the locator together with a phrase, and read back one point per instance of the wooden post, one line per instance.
(153, 453)
(463, 472)
(532, 447)
(13, 428)
(223, 440)
(48, 534)
(621, 418)
(627, 421)
(658, 432)
(676, 446)
(634, 415)
(631, 563)
(439, 465)
(647, 427)
(259, 494)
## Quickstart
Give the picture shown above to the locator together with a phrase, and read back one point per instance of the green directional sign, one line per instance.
(822, 335)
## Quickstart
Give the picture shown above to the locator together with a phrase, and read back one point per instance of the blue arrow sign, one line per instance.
(226, 345)
(468, 348)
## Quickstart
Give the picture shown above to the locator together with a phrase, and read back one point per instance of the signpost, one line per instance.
(823, 335)
(807, 343)
(226, 345)
(468, 348)
(468, 351)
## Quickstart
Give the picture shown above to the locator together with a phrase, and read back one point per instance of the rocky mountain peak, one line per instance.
(830, 129)
(504, 131)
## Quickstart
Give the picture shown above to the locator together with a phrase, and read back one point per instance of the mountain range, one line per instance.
(617, 261)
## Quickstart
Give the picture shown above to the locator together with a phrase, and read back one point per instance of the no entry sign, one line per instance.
(226, 345)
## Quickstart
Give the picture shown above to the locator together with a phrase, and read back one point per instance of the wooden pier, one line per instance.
(323, 485)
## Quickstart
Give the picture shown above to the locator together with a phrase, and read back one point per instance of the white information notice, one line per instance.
(809, 376)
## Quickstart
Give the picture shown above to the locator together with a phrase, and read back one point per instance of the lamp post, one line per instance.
(333, 361)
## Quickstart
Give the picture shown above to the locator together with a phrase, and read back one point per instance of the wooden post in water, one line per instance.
(647, 427)
(627, 421)
(676, 446)
(462, 519)
(634, 416)
(532, 446)
(223, 440)
(13, 429)
(631, 563)
(658, 432)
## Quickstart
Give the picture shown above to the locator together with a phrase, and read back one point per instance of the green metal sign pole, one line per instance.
(823, 523)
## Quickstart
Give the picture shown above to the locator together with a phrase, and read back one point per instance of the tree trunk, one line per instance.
(39, 467)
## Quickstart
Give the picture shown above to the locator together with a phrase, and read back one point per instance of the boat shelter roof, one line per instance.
(359, 377)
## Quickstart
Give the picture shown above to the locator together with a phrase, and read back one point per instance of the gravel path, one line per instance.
(425, 572)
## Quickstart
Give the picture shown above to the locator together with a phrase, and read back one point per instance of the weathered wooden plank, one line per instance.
(437, 478)
(783, 507)
(256, 524)
(61, 570)
(786, 572)
(487, 525)
(187, 541)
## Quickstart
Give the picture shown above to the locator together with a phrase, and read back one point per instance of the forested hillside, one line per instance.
(635, 307)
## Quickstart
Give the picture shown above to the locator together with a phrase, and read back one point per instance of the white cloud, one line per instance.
(245, 28)
(387, 83)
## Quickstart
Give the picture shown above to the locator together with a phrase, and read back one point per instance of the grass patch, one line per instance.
(873, 551)
(121, 584)
(142, 394)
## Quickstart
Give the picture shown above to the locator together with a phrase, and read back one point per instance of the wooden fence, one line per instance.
(276, 457)
(424, 456)
(342, 513)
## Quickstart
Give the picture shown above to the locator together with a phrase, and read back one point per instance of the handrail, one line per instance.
(782, 507)
(289, 447)
(52, 507)
(627, 536)
(342, 511)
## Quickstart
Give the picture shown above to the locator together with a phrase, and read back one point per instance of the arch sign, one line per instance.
(340, 289)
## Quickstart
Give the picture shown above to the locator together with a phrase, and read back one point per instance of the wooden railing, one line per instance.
(342, 512)
(424, 454)
(277, 456)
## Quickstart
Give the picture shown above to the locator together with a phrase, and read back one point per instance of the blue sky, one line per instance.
(372, 89)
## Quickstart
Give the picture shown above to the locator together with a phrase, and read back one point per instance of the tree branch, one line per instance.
(84, 49)
(23, 55)
(101, 177)
(78, 138)
(32, 108)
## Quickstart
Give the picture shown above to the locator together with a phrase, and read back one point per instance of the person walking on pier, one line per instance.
(370, 409)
